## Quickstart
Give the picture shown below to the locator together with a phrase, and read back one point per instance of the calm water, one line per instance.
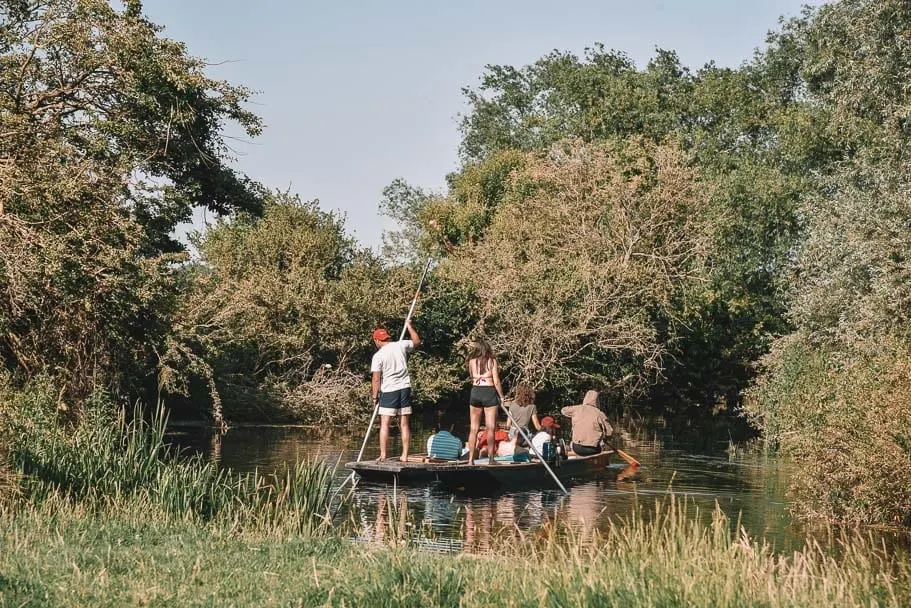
(747, 487)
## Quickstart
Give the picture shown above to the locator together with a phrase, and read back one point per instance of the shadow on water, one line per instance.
(749, 488)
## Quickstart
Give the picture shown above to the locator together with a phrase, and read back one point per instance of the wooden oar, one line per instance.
(621, 453)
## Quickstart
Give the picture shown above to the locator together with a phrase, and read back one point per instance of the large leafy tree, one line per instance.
(279, 311)
(575, 253)
(105, 87)
(743, 128)
(109, 135)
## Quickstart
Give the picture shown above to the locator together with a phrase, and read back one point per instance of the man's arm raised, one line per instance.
(412, 333)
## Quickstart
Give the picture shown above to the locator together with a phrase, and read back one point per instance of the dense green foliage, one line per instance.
(734, 130)
(587, 245)
(835, 393)
(278, 314)
(110, 135)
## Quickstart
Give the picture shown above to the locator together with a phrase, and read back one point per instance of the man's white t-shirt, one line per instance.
(390, 362)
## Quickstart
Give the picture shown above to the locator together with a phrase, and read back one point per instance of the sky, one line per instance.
(355, 94)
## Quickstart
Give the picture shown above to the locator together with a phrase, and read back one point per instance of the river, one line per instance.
(694, 466)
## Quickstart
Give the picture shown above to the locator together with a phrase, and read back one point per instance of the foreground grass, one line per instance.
(65, 555)
(103, 514)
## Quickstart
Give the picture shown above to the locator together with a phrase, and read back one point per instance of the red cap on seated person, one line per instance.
(381, 334)
(549, 421)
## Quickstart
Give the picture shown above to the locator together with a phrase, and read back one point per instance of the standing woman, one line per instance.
(486, 396)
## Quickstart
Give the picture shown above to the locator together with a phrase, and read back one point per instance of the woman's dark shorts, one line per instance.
(484, 396)
(585, 450)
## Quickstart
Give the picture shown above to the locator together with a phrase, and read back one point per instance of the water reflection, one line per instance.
(749, 489)
(391, 525)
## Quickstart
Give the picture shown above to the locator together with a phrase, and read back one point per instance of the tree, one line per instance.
(109, 135)
(834, 392)
(588, 245)
(279, 312)
(601, 96)
(103, 86)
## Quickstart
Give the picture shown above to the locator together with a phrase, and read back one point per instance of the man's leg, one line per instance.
(384, 435)
(406, 436)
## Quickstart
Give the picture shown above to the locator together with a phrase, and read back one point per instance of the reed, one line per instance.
(110, 459)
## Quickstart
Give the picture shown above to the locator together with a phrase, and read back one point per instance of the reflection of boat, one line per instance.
(481, 478)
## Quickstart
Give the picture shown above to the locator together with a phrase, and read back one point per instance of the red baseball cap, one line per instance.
(381, 334)
(549, 421)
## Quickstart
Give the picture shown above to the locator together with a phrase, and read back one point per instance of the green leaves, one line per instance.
(101, 85)
(583, 245)
(282, 307)
(110, 136)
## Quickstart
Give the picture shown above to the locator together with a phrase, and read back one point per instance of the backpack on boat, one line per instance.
(549, 453)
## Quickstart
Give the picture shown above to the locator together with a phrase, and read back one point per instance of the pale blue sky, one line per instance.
(357, 93)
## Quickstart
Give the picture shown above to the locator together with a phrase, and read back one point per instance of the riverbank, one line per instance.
(67, 555)
(105, 514)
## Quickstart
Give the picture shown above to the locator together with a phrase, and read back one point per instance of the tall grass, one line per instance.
(60, 553)
(108, 515)
(109, 458)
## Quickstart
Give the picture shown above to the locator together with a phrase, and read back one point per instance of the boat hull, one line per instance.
(481, 478)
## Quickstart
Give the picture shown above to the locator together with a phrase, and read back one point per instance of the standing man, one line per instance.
(391, 385)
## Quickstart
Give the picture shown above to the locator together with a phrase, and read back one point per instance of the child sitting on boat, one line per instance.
(543, 441)
(513, 449)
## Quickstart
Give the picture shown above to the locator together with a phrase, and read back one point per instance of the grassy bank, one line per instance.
(111, 461)
(63, 555)
(102, 514)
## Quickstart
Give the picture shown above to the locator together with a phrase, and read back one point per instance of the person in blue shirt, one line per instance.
(443, 444)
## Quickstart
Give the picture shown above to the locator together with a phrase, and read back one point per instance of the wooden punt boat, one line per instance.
(480, 477)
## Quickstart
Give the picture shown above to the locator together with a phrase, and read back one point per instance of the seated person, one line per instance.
(498, 436)
(444, 445)
(590, 425)
(543, 441)
(522, 410)
(512, 447)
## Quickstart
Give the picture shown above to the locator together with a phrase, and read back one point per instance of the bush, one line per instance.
(844, 415)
